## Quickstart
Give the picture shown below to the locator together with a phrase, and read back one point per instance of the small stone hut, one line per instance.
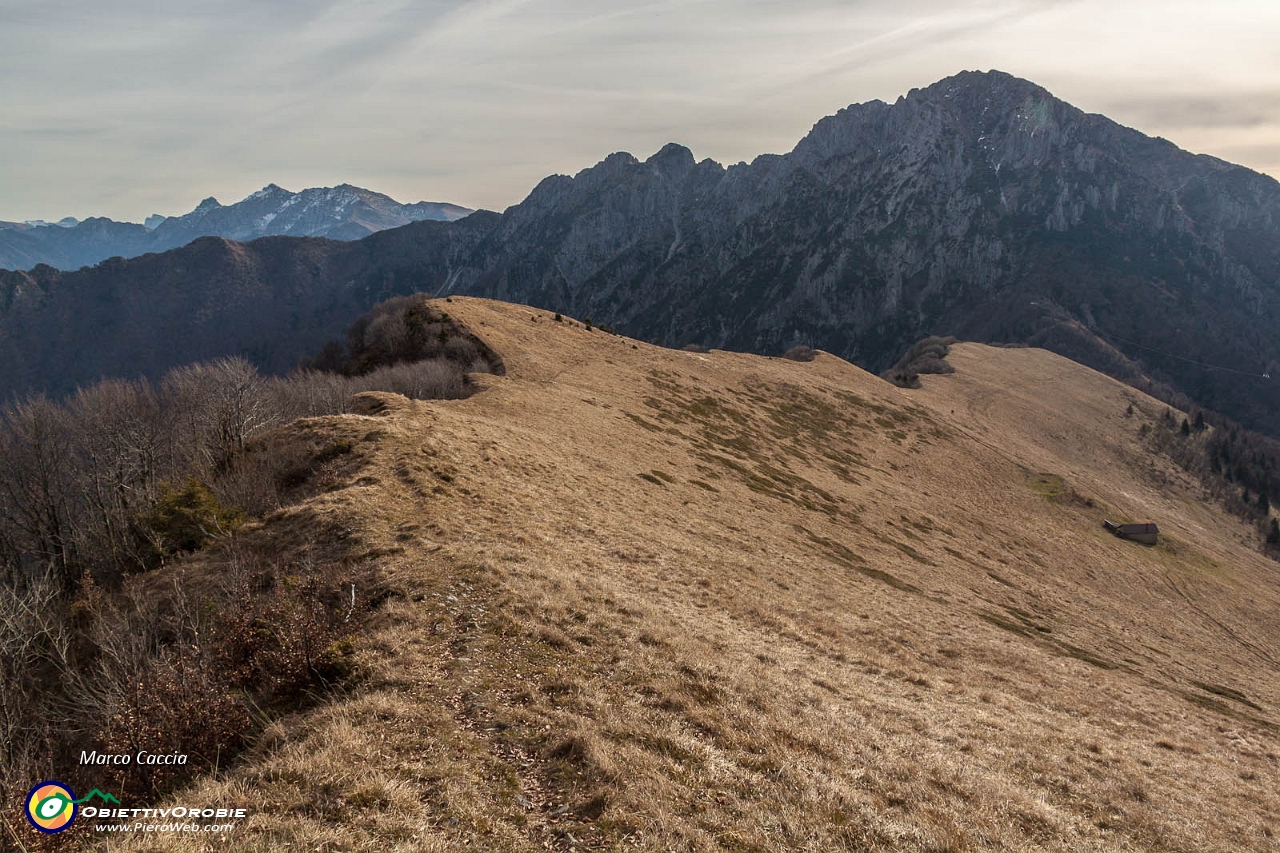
(1144, 532)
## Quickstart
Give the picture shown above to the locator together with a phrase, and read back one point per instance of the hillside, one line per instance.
(640, 598)
(275, 300)
(981, 207)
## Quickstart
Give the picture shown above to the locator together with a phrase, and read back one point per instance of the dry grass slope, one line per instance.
(647, 599)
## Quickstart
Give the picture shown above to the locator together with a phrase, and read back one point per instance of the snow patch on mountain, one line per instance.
(343, 212)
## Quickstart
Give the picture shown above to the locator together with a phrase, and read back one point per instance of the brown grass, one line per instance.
(657, 600)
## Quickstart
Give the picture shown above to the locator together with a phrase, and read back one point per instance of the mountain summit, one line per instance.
(344, 212)
(980, 206)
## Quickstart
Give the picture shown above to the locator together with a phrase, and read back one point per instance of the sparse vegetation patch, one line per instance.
(150, 596)
(925, 356)
(802, 352)
(406, 330)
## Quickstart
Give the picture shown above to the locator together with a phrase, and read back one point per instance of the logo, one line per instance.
(51, 807)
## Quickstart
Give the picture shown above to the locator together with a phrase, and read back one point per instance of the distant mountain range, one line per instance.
(342, 213)
(980, 206)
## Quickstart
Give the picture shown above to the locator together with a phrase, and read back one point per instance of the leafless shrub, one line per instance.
(803, 352)
(92, 493)
(437, 379)
(280, 643)
(35, 644)
(215, 409)
(257, 480)
(310, 393)
(405, 329)
(176, 701)
(37, 491)
(77, 477)
(180, 669)
(924, 356)
(277, 469)
(124, 451)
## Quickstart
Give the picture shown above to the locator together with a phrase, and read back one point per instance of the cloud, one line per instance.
(1228, 110)
(124, 107)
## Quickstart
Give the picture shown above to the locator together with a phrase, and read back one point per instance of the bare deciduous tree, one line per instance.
(36, 494)
(215, 408)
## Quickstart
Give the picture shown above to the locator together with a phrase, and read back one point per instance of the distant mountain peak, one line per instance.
(266, 192)
(618, 159)
(64, 222)
(344, 212)
(672, 157)
(984, 89)
(992, 80)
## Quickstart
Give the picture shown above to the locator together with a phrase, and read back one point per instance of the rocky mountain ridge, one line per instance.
(344, 212)
(980, 207)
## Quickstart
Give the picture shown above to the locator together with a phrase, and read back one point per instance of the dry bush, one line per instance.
(437, 379)
(37, 490)
(90, 657)
(80, 481)
(176, 703)
(124, 450)
(924, 356)
(311, 393)
(402, 330)
(259, 480)
(283, 642)
(35, 646)
(802, 352)
(64, 663)
(193, 668)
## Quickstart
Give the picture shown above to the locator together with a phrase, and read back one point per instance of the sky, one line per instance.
(124, 108)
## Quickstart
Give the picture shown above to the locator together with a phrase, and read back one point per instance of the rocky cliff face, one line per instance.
(980, 206)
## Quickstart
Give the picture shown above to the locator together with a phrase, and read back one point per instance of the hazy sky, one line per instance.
(124, 108)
